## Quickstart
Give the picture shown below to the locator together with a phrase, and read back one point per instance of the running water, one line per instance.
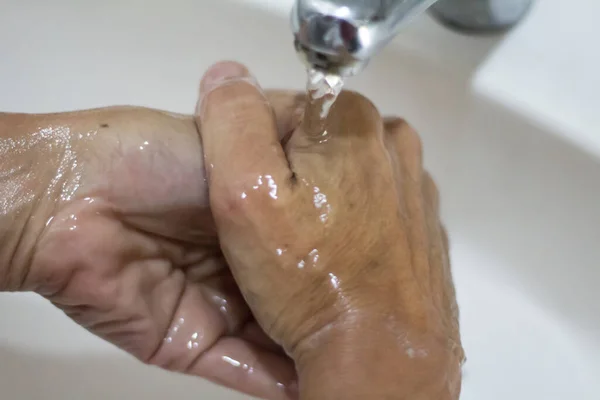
(326, 87)
(323, 89)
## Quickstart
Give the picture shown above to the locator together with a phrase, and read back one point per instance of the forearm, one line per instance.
(24, 172)
(377, 364)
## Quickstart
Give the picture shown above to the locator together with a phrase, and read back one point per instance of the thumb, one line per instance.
(239, 135)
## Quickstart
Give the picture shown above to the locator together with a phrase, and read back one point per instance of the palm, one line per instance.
(131, 254)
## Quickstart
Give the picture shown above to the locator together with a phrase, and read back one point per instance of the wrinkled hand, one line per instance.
(336, 243)
(128, 249)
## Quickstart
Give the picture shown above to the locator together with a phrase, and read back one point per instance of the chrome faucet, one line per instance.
(341, 36)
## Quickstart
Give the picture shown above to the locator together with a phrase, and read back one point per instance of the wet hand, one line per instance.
(335, 242)
(121, 238)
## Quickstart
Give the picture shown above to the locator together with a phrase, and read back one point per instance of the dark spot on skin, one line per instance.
(103, 125)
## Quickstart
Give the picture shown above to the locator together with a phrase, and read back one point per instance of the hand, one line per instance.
(335, 242)
(116, 231)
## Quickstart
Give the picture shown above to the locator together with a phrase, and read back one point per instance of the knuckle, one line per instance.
(352, 110)
(395, 124)
(357, 100)
(407, 143)
(405, 134)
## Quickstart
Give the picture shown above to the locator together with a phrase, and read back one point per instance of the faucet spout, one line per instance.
(341, 36)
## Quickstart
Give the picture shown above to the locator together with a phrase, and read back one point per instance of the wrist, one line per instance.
(27, 166)
(378, 361)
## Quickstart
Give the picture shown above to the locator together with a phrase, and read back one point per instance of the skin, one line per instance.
(334, 242)
(105, 213)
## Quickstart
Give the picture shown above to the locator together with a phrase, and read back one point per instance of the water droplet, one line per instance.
(192, 345)
(272, 187)
(237, 364)
(335, 282)
(320, 200)
(231, 361)
(314, 254)
(178, 325)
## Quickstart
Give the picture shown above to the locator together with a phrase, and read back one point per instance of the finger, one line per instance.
(223, 293)
(406, 150)
(445, 239)
(408, 145)
(204, 268)
(196, 343)
(450, 293)
(237, 364)
(431, 194)
(238, 128)
(438, 259)
(441, 274)
(195, 325)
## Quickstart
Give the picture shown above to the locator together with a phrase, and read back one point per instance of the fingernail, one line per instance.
(223, 73)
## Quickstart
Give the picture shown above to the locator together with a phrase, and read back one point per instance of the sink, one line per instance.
(521, 202)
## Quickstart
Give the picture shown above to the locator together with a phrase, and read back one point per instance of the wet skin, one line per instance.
(335, 245)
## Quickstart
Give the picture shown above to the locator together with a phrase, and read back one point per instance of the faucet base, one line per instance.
(480, 16)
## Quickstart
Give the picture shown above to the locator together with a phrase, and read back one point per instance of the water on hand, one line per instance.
(325, 87)
(322, 91)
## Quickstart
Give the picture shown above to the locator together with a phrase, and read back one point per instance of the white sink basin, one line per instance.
(521, 204)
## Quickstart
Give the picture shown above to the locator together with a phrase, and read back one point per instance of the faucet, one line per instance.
(341, 36)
